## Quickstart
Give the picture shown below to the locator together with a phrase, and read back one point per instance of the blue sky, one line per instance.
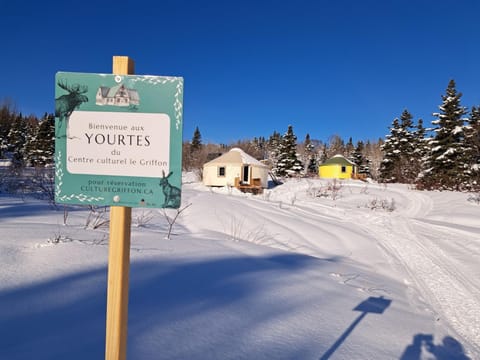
(253, 67)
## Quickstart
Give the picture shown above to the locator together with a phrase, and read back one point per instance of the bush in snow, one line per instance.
(37, 182)
(172, 219)
(239, 232)
(331, 190)
(142, 217)
(97, 218)
(381, 204)
(474, 198)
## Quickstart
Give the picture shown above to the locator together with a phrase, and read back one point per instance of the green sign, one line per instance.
(118, 140)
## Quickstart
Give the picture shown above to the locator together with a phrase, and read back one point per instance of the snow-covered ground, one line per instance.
(303, 271)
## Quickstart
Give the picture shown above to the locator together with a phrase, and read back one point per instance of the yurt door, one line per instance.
(246, 174)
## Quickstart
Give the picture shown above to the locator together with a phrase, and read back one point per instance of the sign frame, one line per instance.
(118, 140)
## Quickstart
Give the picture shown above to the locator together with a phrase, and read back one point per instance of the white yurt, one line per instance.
(235, 168)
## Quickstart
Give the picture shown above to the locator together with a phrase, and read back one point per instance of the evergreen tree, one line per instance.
(420, 146)
(17, 140)
(472, 148)
(196, 143)
(7, 118)
(446, 166)
(273, 147)
(399, 148)
(406, 171)
(389, 167)
(359, 158)
(323, 154)
(309, 158)
(40, 149)
(349, 149)
(287, 158)
(192, 154)
(29, 148)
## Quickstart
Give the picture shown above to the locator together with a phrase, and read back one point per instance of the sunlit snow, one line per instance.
(311, 269)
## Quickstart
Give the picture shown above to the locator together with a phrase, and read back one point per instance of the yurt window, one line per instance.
(221, 171)
(344, 169)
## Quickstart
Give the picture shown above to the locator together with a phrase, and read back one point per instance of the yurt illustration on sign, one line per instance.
(236, 168)
(337, 167)
(118, 95)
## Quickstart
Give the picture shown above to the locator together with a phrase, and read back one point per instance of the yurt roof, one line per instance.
(236, 156)
(337, 160)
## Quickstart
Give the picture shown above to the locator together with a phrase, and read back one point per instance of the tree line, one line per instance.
(26, 140)
(287, 156)
(444, 156)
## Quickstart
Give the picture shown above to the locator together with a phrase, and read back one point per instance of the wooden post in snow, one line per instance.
(118, 260)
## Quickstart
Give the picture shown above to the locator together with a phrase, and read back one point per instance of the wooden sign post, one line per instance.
(118, 260)
(118, 143)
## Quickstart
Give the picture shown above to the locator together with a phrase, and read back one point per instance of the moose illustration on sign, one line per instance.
(66, 104)
(172, 193)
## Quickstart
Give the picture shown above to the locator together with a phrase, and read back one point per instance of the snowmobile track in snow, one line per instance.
(453, 293)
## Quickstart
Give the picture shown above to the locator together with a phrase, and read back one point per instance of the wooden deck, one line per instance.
(362, 177)
(254, 187)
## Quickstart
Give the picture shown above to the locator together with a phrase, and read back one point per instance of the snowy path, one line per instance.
(434, 256)
(235, 281)
(438, 277)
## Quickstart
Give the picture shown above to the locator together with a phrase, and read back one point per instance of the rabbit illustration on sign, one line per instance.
(171, 193)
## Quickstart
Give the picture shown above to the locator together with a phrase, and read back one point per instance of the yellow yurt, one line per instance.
(337, 167)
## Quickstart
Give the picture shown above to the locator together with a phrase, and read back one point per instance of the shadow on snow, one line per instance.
(182, 309)
(373, 305)
(64, 318)
(422, 344)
